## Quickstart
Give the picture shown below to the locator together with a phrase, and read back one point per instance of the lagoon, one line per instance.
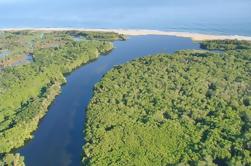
(59, 138)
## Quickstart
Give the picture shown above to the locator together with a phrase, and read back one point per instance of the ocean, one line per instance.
(224, 17)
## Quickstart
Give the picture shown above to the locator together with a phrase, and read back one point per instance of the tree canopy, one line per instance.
(27, 90)
(188, 108)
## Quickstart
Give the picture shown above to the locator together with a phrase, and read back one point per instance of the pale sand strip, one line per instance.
(136, 32)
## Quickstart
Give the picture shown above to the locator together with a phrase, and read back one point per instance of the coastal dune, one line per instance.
(137, 32)
(194, 36)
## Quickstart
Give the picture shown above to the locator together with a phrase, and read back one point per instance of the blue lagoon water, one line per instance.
(59, 139)
(212, 17)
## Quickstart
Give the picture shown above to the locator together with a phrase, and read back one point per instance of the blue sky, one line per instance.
(78, 10)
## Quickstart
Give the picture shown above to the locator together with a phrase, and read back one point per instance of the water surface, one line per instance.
(25, 60)
(59, 138)
(214, 16)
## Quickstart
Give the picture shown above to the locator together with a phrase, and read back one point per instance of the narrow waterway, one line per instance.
(60, 137)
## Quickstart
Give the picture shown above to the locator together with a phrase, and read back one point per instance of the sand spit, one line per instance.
(137, 32)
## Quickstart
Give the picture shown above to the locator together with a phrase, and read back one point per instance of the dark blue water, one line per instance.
(59, 138)
(212, 16)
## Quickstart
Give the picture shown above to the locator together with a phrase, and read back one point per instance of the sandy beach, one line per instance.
(136, 32)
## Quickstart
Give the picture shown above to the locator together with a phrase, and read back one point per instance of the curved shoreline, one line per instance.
(138, 32)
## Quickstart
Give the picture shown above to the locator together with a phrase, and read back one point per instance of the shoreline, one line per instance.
(140, 32)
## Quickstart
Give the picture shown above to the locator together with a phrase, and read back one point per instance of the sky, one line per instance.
(158, 14)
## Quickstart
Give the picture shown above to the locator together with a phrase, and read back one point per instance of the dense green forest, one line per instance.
(188, 108)
(12, 160)
(14, 46)
(27, 90)
(225, 45)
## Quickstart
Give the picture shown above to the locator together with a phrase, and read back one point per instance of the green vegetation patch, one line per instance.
(26, 91)
(225, 45)
(12, 160)
(189, 108)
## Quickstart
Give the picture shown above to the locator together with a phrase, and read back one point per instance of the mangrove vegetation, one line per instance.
(26, 90)
(188, 108)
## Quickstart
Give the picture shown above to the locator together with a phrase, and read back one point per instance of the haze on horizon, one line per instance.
(219, 16)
